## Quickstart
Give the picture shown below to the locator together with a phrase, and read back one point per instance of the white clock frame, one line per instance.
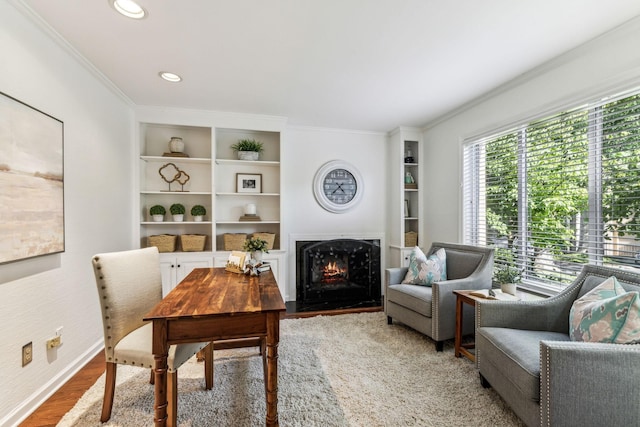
(318, 186)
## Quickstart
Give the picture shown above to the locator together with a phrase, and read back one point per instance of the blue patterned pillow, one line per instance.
(423, 271)
(607, 314)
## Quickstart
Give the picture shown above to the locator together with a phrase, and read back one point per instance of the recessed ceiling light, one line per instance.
(128, 8)
(170, 77)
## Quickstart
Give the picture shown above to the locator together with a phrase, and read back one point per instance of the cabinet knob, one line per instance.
(172, 266)
(178, 265)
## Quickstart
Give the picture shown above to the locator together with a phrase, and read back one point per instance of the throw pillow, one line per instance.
(424, 271)
(606, 314)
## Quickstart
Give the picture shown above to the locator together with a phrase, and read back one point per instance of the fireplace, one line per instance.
(340, 273)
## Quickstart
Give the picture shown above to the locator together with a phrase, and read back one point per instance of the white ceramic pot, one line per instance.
(197, 218)
(176, 145)
(508, 288)
(178, 218)
(248, 155)
(257, 255)
(158, 218)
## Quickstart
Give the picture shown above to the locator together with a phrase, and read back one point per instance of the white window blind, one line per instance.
(559, 192)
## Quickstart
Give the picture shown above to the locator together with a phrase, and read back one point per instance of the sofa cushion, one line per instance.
(606, 314)
(516, 354)
(413, 297)
(424, 271)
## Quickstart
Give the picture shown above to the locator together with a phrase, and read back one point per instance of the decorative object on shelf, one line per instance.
(338, 186)
(235, 262)
(267, 237)
(410, 239)
(250, 213)
(507, 277)
(234, 241)
(409, 182)
(248, 149)
(408, 157)
(193, 242)
(177, 210)
(256, 246)
(176, 148)
(164, 242)
(169, 169)
(157, 213)
(406, 208)
(248, 183)
(198, 212)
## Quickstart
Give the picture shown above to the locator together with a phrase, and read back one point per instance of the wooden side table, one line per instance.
(463, 297)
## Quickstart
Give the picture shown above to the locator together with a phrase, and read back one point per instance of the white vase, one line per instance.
(158, 218)
(176, 145)
(197, 218)
(178, 217)
(257, 255)
(508, 288)
(248, 155)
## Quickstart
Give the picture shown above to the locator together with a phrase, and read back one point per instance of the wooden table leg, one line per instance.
(160, 354)
(458, 337)
(271, 374)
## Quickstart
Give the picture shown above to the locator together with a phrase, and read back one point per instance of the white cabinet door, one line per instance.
(174, 268)
(186, 265)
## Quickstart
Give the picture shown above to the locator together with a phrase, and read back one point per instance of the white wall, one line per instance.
(305, 151)
(39, 295)
(604, 66)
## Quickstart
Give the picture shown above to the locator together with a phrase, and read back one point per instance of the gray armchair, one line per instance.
(432, 310)
(523, 351)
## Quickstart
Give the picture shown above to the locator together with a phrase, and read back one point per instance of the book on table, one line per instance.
(495, 294)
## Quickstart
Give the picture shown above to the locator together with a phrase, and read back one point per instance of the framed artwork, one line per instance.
(31, 182)
(248, 183)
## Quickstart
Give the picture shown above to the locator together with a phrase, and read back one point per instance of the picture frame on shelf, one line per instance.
(248, 183)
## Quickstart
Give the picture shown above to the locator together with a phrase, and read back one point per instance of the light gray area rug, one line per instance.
(345, 370)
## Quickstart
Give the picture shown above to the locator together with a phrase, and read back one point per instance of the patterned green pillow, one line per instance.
(607, 314)
(423, 271)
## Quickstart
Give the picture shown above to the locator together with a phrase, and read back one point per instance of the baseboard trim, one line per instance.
(33, 402)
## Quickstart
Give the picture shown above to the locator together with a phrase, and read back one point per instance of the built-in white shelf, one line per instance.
(248, 162)
(248, 194)
(247, 222)
(178, 193)
(174, 222)
(163, 159)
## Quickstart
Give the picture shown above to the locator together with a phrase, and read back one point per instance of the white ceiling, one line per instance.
(351, 64)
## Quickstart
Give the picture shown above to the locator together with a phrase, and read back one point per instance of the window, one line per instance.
(559, 192)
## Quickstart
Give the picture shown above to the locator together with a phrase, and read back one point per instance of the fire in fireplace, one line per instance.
(339, 273)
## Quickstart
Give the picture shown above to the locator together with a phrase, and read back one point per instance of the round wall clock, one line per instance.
(338, 186)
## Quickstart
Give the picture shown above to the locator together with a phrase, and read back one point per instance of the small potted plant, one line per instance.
(198, 212)
(177, 210)
(157, 213)
(256, 246)
(248, 149)
(507, 277)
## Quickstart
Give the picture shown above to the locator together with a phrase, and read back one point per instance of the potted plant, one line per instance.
(157, 213)
(177, 210)
(248, 149)
(256, 246)
(198, 212)
(507, 277)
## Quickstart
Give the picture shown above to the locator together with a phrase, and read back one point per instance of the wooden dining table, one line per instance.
(212, 304)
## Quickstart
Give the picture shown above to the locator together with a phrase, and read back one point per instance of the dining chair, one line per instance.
(129, 286)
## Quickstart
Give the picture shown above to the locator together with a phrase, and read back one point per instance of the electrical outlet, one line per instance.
(27, 353)
(54, 342)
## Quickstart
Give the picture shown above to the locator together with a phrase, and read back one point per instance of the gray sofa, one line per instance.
(432, 310)
(524, 352)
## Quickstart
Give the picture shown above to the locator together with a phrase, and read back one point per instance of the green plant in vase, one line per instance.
(157, 213)
(248, 149)
(198, 212)
(507, 277)
(177, 210)
(256, 246)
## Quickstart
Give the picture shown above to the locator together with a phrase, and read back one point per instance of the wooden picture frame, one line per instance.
(248, 183)
(31, 182)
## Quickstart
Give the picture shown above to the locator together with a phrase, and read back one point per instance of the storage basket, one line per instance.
(234, 242)
(270, 238)
(164, 242)
(193, 242)
(410, 239)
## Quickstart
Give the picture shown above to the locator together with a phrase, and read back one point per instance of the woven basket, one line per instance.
(193, 242)
(164, 242)
(267, 237)
(410, 239)
(234, 242)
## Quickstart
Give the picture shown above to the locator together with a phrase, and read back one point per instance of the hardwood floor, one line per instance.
(61, 402)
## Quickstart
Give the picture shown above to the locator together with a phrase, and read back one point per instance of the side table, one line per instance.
(463, 297)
